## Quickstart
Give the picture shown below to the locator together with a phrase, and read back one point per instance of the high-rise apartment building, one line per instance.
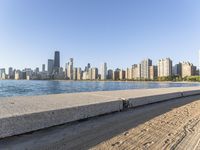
(2, 73)
(164, 67)
(56, 62)
(103, 71)
(145, 64)
(85, 75)
(70, 69)
(37, 70)
(43, 67)
(187, 69)
(94, 73)
(50, 66)
(116, 74)
(90, 74)
(129, 73)
(122, 74)
(153, 72)
(87, 67)
(136, 69)
(110, 74)
(10, 73)
(18, 75)
(79, 74)
(75, 74)
(177, 69)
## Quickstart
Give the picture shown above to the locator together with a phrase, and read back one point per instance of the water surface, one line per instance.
(26, 88)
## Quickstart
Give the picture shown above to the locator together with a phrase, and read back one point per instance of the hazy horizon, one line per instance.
(120, 33)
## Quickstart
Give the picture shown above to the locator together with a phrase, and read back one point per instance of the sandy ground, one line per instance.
(176, 129)
(167, 125)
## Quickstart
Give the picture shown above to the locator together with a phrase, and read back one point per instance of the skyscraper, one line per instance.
(110, 74)
(187, 69)
(70, 66)
(2, 73)
(177, 69)
(87, 67)
(79, 74)
(145, 64)
(116, 74)
(43, 67)
(164, 67)
(122, 74)
(10, 73)
(103, 72)
(153, 72)
(94, 73)
(75, 73)
(50, 66)
(136, 69)
(129, 73)
(56, 61)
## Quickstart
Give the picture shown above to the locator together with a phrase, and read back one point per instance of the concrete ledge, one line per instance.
(135, 102)
(20, 115)
(189, 93)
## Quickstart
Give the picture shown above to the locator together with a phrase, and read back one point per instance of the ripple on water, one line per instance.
(27, 88)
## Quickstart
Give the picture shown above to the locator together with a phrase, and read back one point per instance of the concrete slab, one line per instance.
(139, 97)
(24, 114)
(140, 101)
(20, 115)
(189, 93)
(137, 93)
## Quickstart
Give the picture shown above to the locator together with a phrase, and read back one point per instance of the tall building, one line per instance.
(70, 66)
(89, 73)
(153, 72)
(56, 62)
(27, 73)
(37, 70)
(187, 69)
(103, 71)
(75, 74)
(165, 67)
(110, 74)
(10, 73)
(122, 74)
(87, 67)
(85, 75)
(50, 66)
(18, 75)
(116, 74)
(177, 69)
(136, 69)
(2, 73)
(94, 73)
(129, 73)
(43, 67)
(194, 71)
(79, 74)
(145, 64)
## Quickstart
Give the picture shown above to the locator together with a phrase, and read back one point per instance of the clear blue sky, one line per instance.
(119, 32)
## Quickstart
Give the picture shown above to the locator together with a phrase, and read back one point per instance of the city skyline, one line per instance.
(56, 64)
(99, 64)
(144, 70)
(98, 31)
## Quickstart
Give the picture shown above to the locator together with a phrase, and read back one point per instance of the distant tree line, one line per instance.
(172, 78)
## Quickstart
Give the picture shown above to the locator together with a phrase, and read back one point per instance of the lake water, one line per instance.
(24, 87)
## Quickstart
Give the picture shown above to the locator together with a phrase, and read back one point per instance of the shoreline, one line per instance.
(110, 81)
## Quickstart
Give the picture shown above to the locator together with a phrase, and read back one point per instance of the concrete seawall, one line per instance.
(20, 115)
